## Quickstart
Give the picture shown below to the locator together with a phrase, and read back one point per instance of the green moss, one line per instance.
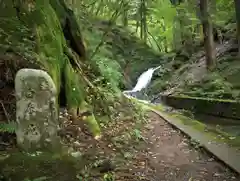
(187, 121)
(19, 166)
(37, 36)
(207, 99)
(159, 107)
(222, 108)
(43, 25)
(93, 125)
(15, 37)
(50, 40)
(74, 87)
(213, 133)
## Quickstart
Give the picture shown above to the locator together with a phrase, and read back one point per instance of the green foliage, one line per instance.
(160, 23)
(167, 27)
(106, 68)
(224, 12)
(111, 48)
(108, 177)
(19, 40)
(50, 40)
(74, 90)
(137, 134)
(46, 166)
(222, 83)
(80, 178)
(214, 86)
(7, 127)
(109, 69)
(165, 23)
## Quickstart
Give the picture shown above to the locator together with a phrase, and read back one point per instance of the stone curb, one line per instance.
(230, 156)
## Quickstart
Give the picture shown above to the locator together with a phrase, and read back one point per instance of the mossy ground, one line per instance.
(19, 166)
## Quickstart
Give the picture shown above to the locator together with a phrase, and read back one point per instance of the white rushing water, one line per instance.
(143, 81)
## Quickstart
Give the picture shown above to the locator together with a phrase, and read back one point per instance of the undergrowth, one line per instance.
(7, 127)
(222, 83)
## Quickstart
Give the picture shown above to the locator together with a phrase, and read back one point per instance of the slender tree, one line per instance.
(208, 35)
(237, 9)
(143, 20)
(165, 43)
(125, 13)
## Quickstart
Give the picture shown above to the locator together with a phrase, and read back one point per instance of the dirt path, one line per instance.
(164, 155)
(173, 159)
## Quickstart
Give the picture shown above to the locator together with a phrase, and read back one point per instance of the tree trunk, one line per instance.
(176, 34)
(143, 20)
(54, 38)
(208, 35)
(165, 43)
(237, 9)
(125, 14)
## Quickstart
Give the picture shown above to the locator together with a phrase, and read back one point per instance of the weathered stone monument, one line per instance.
(36, 112)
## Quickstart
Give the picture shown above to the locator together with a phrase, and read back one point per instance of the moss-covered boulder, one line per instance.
(45, 33)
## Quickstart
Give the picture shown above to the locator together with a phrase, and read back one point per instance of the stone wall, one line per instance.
(222, 108)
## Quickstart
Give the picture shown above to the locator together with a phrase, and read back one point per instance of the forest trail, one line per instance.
(165, 154)
(169, 157)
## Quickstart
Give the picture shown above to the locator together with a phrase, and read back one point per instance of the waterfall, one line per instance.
(143, 81)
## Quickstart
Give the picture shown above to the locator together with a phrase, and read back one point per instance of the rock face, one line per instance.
(37, 112)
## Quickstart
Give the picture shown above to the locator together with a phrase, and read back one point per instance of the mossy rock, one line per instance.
(20, 166)
(50, 34)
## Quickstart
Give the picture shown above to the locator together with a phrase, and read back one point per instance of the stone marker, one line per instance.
(36, 112)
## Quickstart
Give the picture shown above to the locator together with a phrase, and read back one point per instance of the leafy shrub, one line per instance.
(7, 127)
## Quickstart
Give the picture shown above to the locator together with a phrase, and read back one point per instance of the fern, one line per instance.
(7, 127)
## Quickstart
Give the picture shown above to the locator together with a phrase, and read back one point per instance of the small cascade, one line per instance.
(143, 81)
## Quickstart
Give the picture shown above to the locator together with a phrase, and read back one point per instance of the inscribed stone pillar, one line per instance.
(36, 111)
